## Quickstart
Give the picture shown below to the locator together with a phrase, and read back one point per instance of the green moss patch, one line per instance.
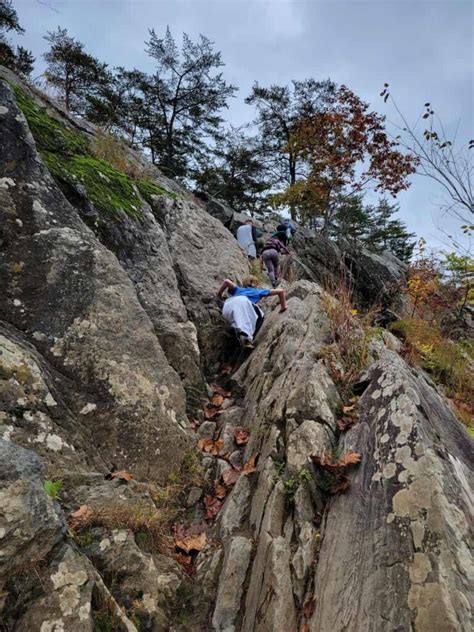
(50, 134)
(68, 158)
(109, 190)
(148, 189)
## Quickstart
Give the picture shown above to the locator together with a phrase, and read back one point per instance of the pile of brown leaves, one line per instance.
(349, 415)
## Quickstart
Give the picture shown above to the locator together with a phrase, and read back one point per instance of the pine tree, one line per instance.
(182, 100)
(236, 174)
(386, 233)
(72, 71)
(20, 60)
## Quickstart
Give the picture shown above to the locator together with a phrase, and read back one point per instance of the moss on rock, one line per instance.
(148, 189)
(68, 158)
(49, 133)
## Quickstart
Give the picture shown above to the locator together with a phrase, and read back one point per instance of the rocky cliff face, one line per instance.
(109, 334)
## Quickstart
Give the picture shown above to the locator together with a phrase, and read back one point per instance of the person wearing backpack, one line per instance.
(271, 258)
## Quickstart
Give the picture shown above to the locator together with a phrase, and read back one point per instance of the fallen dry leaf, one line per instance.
(125, 476)
(210, 446)
(349, 458)
(195, 423)
(210, 412)
(216, 389)
(325, 461)
(241, 436)
(230, 476)
(308, 608)
(340, 486)
(250, 467)
(217, 400)
(348, 409)
(213, 506)
(186, 561)
(191, 542)
(344, 423)
(220, 491)
(83, 514)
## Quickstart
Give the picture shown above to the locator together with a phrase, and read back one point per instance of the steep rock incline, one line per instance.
(406, 521)
(66, 294)
(390, 553)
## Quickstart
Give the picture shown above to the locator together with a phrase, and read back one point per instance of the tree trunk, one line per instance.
(292, 165)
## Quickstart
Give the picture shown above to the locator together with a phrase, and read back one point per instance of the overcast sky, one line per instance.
(422, 48)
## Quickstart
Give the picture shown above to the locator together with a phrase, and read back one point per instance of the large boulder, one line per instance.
(70, 298)
(396, 547)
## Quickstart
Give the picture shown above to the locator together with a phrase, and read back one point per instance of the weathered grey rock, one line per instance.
(236, 507)
(309, 438)
(231, 584)
(149, 582)
(207, 430)
(409, 510)
(68, 295)
(302, 560)
(30, 522)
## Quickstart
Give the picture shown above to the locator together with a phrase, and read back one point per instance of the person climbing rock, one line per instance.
(247, 238)
(241, 311)
(271, 258)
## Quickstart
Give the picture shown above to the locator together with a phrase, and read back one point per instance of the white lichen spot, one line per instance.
(120, 536)
(376, 477)
(3, 110)
(6, 183)
(403, 476)
(149, 603)
(50, 401)
(84, 611)
(420, 568)
(64, 576)
(7, 433)
(19, 222)
(2, 533)
(57, 625)
(88, 408)
(418, 532)
(69, 599)
(376, 394)
(389, 470)
(402, 438)
(39, 208)
(16, 302)
(384, 438)
(390, 518)
(104, 544)
(54, 442)
(38, 335)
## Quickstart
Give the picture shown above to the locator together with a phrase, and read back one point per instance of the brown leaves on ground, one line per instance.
(210, 412)
(340, 482)
(308, 608)
(349, 415)
(218, 390)
(210, 446)
(241, 436)
(122, 475)
(192, 543)
(344, 423)
(81, 516)
(326, 461)
(220, 491)
(213, 506)
(231, 475)
(217, 400)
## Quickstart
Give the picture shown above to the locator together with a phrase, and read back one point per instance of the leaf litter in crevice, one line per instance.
(122, 475)
(213, 506)
(210, 412)
(81, 515)
(218, 390)
(344, 423)
(191, 539)
(308, 608)
(217, 400)
(241, 436)
(326, 462)
(210, 446)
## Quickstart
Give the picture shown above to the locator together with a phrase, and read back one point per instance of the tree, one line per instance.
(346, 151)
(441, 160)
(236, 173)
(72, 71)
(20, 60)
(183, 99)
(279, 109)
(386, 233)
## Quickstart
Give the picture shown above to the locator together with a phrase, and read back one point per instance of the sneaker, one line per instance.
(248, 344)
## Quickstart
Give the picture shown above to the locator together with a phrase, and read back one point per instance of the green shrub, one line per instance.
(52, 488)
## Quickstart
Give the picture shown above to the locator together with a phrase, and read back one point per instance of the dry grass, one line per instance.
(351, 332)
(114, 151)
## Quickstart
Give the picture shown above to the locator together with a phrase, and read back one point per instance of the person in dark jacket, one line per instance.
(271, 258)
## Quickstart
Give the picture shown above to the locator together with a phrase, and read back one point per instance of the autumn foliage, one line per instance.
(346, 149)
